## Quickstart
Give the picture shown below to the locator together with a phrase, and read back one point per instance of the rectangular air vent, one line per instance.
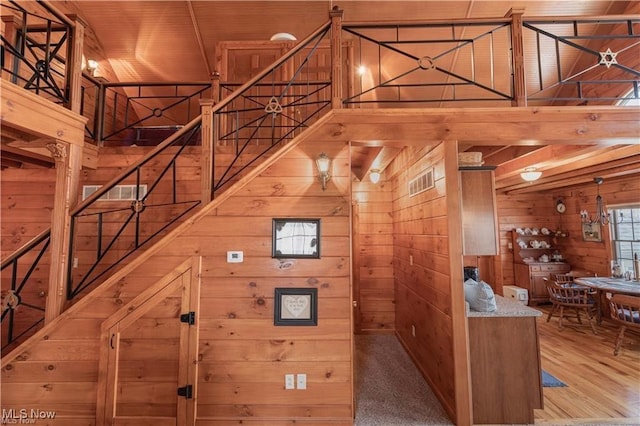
(421, 183)
(117, 193)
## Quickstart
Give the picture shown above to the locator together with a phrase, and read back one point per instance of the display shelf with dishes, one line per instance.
(536, 259)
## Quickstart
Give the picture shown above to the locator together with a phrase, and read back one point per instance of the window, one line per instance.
(117, 193)
(625, 233)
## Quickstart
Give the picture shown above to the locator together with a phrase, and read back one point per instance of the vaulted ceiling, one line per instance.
(176, 41)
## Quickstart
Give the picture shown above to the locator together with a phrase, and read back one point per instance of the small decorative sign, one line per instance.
(591, 232)
(296, 306)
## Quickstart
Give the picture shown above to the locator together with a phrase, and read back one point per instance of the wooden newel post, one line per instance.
(336, 57)
(206, 163)
(68, 158)
(517, 44)
(10, 25)
(74, 66)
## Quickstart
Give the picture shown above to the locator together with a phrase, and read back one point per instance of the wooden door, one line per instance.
(150, 380)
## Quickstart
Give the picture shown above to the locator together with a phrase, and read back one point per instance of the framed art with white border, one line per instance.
(296, 306)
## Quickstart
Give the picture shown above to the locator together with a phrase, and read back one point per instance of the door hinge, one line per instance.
(189, 318)
(186, 391)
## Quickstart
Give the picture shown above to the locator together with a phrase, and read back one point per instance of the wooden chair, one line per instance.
(625, 310)
(564, 279)
(568, 295)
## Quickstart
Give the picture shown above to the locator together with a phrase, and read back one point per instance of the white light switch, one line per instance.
(302, 381)
(289, 381)
(235, 257)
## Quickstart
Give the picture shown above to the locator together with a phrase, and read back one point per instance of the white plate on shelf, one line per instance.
(545, 231)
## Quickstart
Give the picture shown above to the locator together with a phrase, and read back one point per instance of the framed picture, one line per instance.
(296, 306)
(591, 232)
(296, 238)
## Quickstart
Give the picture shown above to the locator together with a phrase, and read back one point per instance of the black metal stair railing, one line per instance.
(36, 58)
(25, 276)
(125, 215)
(274, 107)
(270, 109)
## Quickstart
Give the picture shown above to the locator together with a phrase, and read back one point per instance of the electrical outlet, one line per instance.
(413, 330)
(301, 381)
(75, 262)
(411, 259)
(289, 382)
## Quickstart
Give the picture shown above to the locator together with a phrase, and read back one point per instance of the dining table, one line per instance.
(608, 285)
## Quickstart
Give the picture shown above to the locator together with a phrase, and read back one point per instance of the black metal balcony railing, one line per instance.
(25, 276)
(576, 58)
(431, 62)
(35, 58)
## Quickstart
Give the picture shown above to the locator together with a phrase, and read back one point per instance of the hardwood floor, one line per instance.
(601, 388)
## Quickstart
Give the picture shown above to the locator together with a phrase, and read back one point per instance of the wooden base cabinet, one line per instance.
(532, 277)
(505, 369)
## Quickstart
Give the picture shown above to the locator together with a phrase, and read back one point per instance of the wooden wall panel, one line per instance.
(421, 268)
(243, 355)
(374, 257)
(27, 203)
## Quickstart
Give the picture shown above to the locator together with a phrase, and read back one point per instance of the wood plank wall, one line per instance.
(422, 285)
(538, 210)
(243, 356)
(27, 203)
(373, 250)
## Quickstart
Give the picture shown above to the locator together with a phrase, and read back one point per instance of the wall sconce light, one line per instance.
(601, 216)
(374, 175)
(324, 165)
(530, 174)
(92, 67)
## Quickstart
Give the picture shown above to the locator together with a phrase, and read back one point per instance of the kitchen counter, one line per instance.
(506, 308)
(504, 355)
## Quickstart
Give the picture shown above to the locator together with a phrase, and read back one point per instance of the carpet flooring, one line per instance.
(389, 388)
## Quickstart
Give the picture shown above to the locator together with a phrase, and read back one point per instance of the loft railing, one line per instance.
(592, 60)
(423, 63)
(25, 276)
(34, 55)
(127, 107)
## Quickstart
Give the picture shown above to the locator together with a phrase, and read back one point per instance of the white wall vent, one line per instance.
(421, 183)
(117, 193)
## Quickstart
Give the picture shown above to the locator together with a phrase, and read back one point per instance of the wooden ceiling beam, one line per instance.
(614, 169)
(565, 163)
(488, 126)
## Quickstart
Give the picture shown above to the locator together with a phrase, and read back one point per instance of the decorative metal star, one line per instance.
(608, 58)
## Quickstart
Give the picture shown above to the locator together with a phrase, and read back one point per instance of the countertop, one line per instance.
(507, 307)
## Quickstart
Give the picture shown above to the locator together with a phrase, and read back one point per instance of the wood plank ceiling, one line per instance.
(176, 41)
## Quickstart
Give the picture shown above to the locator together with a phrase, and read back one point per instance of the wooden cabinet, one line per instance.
(479, 217)
(505, 369)
(531, 274)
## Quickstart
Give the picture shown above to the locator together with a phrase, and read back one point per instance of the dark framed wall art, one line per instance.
(298, 238)
(296, 306)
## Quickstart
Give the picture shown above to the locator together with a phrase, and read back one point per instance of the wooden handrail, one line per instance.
(26, 248)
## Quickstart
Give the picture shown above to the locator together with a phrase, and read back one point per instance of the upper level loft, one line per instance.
(138, 71)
